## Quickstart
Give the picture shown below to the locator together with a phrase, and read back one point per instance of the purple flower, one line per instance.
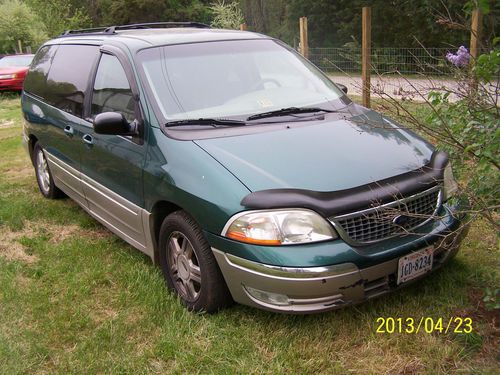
(460, 59)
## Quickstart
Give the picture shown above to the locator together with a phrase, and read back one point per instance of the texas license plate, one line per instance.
(415, 264)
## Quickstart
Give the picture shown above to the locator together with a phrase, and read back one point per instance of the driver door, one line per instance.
(111, 164)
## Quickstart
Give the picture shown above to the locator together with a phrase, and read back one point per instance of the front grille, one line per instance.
(389, 220)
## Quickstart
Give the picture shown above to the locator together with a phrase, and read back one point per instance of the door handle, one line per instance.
(88, 139)
(68, 130)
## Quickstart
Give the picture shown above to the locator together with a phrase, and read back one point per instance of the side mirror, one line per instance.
(113, 123)
(342, 87)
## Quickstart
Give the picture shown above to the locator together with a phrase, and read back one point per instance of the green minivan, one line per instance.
(237, 166)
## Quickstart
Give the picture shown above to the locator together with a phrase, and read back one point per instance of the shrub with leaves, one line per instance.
(227, 15)
(466, 123)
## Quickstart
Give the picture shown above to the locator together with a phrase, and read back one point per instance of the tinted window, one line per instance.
(36, 80)
(111, 89)
(69, 76)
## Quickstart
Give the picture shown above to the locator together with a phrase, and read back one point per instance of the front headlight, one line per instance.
(450, 188)
(7, 76)
(279, 227)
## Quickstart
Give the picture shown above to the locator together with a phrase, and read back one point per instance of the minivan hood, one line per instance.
(325, 155)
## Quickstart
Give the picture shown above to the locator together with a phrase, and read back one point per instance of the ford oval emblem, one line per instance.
(400, 220)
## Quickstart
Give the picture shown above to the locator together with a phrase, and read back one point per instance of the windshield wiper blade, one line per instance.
(288, 111)
(205, 121)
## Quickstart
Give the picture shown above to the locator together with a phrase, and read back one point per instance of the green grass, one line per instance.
(76, 299)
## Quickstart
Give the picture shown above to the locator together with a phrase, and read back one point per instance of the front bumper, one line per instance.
(323, 288)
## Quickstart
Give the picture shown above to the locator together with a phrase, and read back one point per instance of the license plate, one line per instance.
(415, 264)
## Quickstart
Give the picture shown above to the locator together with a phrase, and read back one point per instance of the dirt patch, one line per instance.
(57, 233)
(95, 234)
(159, 366)
(11, 249)
(22, 282)
(100, 314)
(19, 173)
(403, 367)
(7, 124)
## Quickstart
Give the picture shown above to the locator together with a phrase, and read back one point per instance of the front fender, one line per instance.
(182, 173)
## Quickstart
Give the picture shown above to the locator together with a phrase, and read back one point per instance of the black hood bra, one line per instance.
(349, 200)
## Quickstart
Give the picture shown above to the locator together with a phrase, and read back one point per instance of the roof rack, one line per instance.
(107, 30)
(93, 30)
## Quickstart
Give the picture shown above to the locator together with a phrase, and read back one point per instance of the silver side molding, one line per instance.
(122, 217)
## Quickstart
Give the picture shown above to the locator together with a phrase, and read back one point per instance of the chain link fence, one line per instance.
(407, 61)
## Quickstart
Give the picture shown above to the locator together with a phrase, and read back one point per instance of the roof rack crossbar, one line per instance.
(106, 30)
(92, 30)
(152, 25)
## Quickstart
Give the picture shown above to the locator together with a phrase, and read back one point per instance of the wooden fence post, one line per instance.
(304, 43)
(475, 33)
(365, 54)
(475, 44)
(243, 27)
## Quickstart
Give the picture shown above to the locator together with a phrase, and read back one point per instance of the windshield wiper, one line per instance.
(205, 121)
(288, 111)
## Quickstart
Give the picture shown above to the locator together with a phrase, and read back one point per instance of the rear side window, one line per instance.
(112, 91)
(69, 77)
(36, 80)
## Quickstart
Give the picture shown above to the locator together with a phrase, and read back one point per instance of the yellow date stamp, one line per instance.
(424, 325)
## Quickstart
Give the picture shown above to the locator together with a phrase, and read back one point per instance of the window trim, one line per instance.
(127, 67)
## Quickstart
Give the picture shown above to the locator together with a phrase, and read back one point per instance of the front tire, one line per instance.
(188, 265)
(43, 174)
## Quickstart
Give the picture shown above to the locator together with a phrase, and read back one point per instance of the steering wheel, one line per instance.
(263, 81)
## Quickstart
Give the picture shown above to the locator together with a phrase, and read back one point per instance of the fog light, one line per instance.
(267, 297)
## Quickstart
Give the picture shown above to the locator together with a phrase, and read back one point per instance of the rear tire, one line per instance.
(43, 175)
(189, 266)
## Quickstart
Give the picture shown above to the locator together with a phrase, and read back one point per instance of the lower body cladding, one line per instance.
(318, 289)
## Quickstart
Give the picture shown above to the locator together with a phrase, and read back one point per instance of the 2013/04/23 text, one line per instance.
(424, 324)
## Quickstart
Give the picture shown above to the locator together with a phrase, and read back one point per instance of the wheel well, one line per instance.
(159, 212)
(31, 145)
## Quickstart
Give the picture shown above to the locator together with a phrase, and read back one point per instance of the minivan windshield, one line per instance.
(16, 61)
(225, 79)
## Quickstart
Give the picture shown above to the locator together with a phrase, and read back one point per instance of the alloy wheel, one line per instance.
(184, 266)
(42, 169)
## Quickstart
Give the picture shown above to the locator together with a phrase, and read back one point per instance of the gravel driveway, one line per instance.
(401, 87)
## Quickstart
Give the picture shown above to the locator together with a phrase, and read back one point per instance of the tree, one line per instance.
(119, 12)
(270, 17)
(395, 23)
(19, 23)
(60, 15)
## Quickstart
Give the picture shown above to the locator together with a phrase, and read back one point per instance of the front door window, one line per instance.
(111, 92)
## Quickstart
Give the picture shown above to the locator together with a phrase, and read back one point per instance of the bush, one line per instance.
(468, 128)
(19, 23)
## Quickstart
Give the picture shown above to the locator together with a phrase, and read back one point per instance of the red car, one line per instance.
(13, 70)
